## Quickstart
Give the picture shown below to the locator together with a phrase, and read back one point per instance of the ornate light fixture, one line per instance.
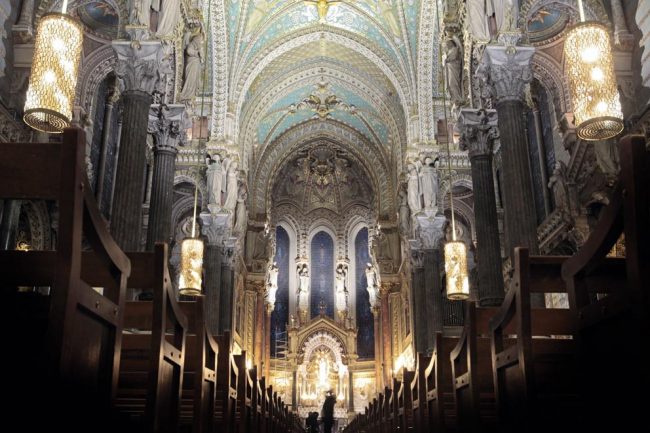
(189, 280)
(590, 69)
(53, 79)
(457, 278)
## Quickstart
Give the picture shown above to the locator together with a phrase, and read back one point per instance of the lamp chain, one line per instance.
(581, 10)
(196, 194)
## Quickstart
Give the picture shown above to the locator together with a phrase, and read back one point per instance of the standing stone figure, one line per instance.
(429, 183)
(414, 190)
(168, 17)
(340, 289)
(231, 187)
(303, 288)
(557, 184)
(193, 62)
(453, 62)
(404, 215)
(373, 284)
(141, 13)
(241, 216)
(214, 176)
(272, 283)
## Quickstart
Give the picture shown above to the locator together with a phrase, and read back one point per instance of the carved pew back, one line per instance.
(440, 412)
(419, 393)
(226, 396)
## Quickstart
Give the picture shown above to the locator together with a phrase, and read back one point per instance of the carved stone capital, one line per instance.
(429, 232)
(165, 124)
(216, 227)
(478, 131)
(139, 65)
(509, 70)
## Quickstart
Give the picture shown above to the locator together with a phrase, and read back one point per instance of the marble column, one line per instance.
(165, 126)
(137, 69)
(350, 392)
(479, 130)
(418, 300)
(433, 295)
(379, 376)
(259, 325)
(267, 343)
(212, 268)
(385, 337)
(510, 72)
(109, 105)
(227, 289)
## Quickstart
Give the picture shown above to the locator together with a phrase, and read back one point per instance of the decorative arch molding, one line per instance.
(40, 224)
(549, 73)
(466, 212)
(323, 338)
(456, 180)
(593, 9)
(302, 37)
(95, 69)
(219, 70)
(426, 51)
(264, 101)
(306, 134)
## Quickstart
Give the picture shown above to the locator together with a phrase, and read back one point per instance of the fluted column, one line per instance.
(419, 302)
(165, 126)
(138, 71)
(109, 105)
(259, 325)
(226, 298)
(433, 289)
(267, 341)
(479, 129)
(510, 71)
(385, 336)
(212, 268)
(379, 376)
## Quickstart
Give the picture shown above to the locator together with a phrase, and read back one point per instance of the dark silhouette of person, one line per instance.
(328, 411)
(312, 422)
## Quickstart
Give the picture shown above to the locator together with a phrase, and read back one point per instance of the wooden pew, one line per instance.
(261, 405)
(153, 347)
(388, 410)
(534, 375)
(226, 396)
(200, 371)
(244, 418)
(472, 373)
(419, 393)
(611, 297)
(65, 346)
(439, 412)
(404, 412)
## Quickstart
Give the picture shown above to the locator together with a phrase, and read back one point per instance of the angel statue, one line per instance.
(323, 7)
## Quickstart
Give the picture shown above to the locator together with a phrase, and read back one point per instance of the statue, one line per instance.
(557, 184)
(414, 189)
(340, 290)
(429, 183)
(193, 62)
(214, 176)
(404, 214)
(453, 62)
(241, 216)
(231, 187)
(373, 284)
(607, 158)
(260, 248)
(488, 17)
(141, 12)
(168, 16)
(303, 287)
(272, 283)
(477, 13)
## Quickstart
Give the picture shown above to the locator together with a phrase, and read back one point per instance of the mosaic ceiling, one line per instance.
(353, 64)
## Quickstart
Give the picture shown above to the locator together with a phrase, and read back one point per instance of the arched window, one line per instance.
(280, 314)
(365, 320)
(322, 274)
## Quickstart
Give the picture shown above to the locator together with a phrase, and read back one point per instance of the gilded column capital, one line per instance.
(165, 124)
(139, 64)
(509, 71)
(478, 131)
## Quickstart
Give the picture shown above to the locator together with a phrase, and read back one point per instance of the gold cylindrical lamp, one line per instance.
(189, 281)
(456, 270)
(53, 79)
(592, 82)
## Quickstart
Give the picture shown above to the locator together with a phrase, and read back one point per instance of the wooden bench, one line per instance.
(200, 371)
(153, 347)
(472, 373)
(439, 412)
(404, 412)
(65, 346)
(245, 386)
(611, 297)
(534, 374)
(226, 396)
(419, 393)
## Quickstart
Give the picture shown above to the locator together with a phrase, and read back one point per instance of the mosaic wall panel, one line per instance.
(322, 274)
(365, 320)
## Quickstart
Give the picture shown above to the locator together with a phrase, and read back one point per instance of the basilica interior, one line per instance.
(214, 213)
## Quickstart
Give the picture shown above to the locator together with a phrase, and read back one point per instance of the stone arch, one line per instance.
(323, 338)
(96, 67)
(593, 9)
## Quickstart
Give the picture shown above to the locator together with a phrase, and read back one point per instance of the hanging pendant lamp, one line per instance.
(592, 82)
(53, 78)
(189, 280)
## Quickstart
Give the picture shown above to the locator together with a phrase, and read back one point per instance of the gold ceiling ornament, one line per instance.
(53, 79)
(457, 277)
(592, 82)
(189, 280)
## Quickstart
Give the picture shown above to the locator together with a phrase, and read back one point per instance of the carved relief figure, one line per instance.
(272, 283)
(557, 184)
(341, 290)
(373, 284)
(141, 12)
(241, 215)
(453, 62)
(302, 301)
(168, 17)
(404, 214)
(193, 62)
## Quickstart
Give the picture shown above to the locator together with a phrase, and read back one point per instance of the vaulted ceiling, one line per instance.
(347, 70)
